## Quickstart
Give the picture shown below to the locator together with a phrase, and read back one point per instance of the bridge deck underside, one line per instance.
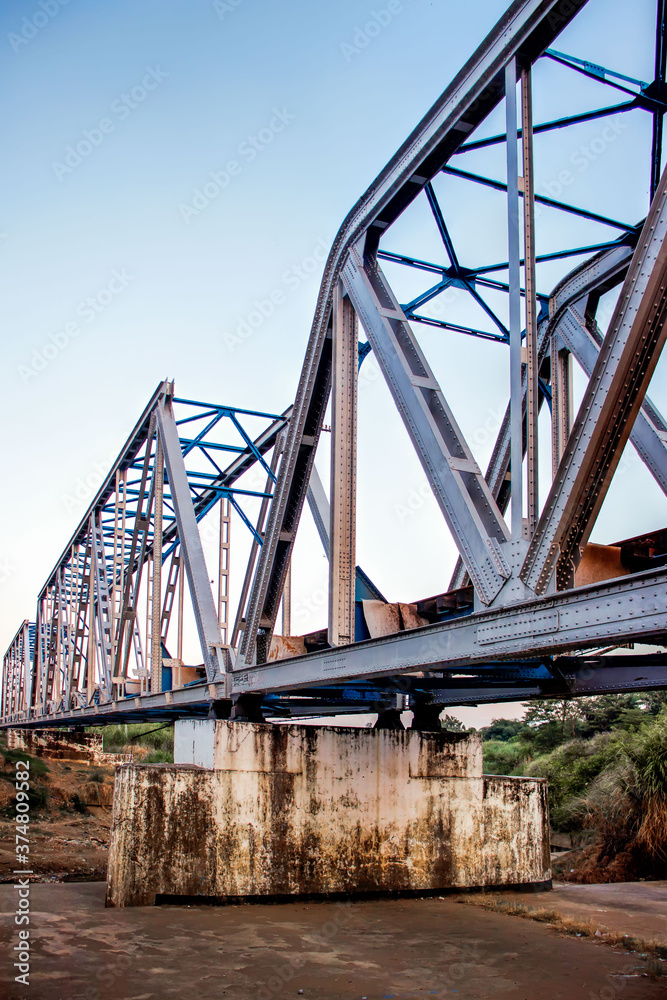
(517, 622)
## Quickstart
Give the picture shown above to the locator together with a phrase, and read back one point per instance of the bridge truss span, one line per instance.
(533, 609)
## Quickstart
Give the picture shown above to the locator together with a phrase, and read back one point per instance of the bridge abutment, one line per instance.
(259, 810)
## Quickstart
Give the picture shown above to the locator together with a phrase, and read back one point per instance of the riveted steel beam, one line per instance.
(319, 508)
(524, 31)
(203, 604)
(517, 402)
(649, 433)
(457, 482)
(343, 471)
(578, 677)
(624, 610)
(532, 359)
(608, 410)
(594, 276)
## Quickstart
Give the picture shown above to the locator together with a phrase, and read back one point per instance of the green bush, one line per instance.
(503, 757)
(159, 757)
(637, 783)
(571, 817)
(605, 761)
(502, 729)
(121, 739)
(571, 768)
(36, 766)
(452, 725)
(38, 796)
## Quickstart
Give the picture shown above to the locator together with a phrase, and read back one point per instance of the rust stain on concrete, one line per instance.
(288, 810)
(63, 744)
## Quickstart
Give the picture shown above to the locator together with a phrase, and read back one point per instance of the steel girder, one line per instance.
(614, 396)
(559, 677)
(566, 323)
(470, 658)
(630, 609)
(89, 646)
(343, 514)
(649, 433)
(15, 671)
(525, 31)
(455, 477)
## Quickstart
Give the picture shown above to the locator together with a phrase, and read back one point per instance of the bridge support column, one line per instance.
(258, 810)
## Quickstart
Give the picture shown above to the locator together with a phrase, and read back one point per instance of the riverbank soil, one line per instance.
(395, 948)
(70, 819)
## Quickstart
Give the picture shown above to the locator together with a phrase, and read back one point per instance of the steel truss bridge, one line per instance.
(533, 610)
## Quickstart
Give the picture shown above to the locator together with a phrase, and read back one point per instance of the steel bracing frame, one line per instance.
(515, 623)
(139, 546)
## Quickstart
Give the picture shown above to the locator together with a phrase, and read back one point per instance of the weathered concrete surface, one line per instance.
(417, 948)
(288, 810)
(63, 744)
(515, 821)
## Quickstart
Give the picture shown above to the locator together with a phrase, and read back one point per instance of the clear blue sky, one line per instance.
(156, 98)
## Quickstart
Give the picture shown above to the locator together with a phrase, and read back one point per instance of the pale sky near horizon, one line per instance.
(159, 99)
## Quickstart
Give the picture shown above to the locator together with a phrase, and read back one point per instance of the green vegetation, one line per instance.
(452, 725)
(605, 759)
(38, 797)
(37, 766)
(125, 738)
(38, 793)
(159, 757)
(77, 804)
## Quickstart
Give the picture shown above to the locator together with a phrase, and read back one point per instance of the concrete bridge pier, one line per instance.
(261, 810)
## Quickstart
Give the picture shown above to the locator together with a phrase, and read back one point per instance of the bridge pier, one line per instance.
(259, 810)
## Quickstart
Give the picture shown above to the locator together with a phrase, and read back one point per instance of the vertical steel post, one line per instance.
(516, 391)
(223, 569)
(148, 626)
(23, 694)
(658, 114)
(91, 653)
(561, 400)
(199, 581)
(343, 470)
(156, 589)
(239, 622)
(44, 651)
(319, 508)
(287, 602)
(118, 580)
(9, 682)
(7, 686)
(41, 648)
(181, 599)
(130, 591)
(62, 637)
(532, 398)
(10, 699)
(75, 646)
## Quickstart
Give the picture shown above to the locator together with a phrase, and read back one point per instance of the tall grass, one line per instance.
(640, 788)
(627, 805)
(121, 739)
